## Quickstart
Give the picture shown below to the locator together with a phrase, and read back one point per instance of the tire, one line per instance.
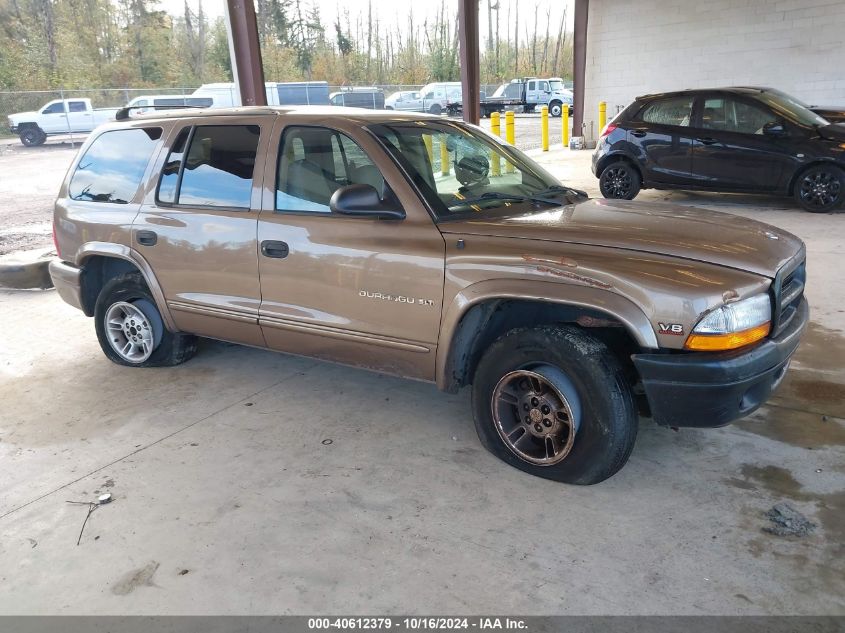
(126, 298)
(598, 403)
(620, 181)
(32, 136)
(556, 108)
(820, 189)
(435, 108)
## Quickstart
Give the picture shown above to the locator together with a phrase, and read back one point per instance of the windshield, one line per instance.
(791, 108)
(463, 171)
(555, 85)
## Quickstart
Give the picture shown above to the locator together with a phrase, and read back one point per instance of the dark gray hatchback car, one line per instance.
(754, 140)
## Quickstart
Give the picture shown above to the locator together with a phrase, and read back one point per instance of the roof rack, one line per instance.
(123, 113)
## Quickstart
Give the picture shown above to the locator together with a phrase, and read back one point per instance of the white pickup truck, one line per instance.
(58, 117)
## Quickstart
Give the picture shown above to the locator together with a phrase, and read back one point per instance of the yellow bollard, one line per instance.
(510, 136)
(495, 128)
(544, 127)
(444, 156)
(564, 117)
(602, 115)
(429, 148)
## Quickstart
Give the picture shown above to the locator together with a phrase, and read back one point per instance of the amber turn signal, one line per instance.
(722, 342)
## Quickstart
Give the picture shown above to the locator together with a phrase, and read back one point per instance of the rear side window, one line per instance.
(730, 115)
(211, 166)
(77, 106)
(675, 111)
(113, 166)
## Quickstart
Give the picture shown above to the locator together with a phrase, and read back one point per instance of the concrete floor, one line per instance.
(248, 482)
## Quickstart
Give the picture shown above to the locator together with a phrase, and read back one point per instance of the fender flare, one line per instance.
(120, 251)
(624, 310)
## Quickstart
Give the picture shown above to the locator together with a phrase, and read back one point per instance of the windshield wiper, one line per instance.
(562, 189)
(495, 195)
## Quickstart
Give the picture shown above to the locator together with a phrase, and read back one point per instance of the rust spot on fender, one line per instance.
(549, 265)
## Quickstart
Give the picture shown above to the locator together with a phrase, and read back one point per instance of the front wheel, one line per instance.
(556, 108)
(130, 328)
(555, 403)
(32, 136)
(820, 189)
(435, 109)
(620, 180)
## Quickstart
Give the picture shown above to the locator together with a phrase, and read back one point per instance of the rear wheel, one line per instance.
(820, 188)
(620, 180)
(32, 136)
(554, 402)
(130, 329)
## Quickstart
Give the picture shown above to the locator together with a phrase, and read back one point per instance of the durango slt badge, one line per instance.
(396, 298)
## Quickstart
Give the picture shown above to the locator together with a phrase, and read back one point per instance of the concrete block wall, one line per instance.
(637, 47)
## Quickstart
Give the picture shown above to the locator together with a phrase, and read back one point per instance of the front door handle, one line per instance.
(146, 238)
(638, 133)
(707, 140)
(272, 248)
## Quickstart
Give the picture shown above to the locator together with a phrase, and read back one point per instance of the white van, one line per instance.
(145, 103)
(227, 95)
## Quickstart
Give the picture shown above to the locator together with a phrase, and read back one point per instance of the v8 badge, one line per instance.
(675, 329)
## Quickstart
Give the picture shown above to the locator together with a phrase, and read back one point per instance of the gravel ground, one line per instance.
(29, 181)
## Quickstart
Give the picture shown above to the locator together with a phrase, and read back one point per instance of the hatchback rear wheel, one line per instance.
(620, 181)
(820, 189)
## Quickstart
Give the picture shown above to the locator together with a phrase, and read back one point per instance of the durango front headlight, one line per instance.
(732, 325)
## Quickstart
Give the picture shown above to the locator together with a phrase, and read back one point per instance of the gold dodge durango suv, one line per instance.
(427, 248)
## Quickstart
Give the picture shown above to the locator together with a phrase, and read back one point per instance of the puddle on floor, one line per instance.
(797, 428)
(822, 349)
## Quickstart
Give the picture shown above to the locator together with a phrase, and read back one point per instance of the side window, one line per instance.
(54, 108)
(215, 171)
(314, 163)
(77, 106)
(113, 166)
(675, 111)
(531, 85)
(735, 116)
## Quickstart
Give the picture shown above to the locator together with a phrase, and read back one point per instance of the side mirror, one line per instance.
(775, 130)
(362, 201)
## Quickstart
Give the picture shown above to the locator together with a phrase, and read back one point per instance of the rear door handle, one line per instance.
(638, 133)
(707, 140)
(272, 248)
(146, 238)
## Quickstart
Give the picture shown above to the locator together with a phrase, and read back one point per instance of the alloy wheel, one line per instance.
(820, 189)
(616, 182)
(130, 332)
(537, 414)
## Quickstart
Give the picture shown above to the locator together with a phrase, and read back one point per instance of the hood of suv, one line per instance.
(679, 231)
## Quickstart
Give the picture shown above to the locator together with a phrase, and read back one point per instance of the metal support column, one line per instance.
(245, 51)
(470, 62)
(582, 10)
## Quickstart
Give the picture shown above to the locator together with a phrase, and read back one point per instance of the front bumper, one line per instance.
(708, 390)
(67, 279)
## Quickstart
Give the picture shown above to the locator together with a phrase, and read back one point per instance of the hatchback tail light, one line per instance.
(607, 129)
